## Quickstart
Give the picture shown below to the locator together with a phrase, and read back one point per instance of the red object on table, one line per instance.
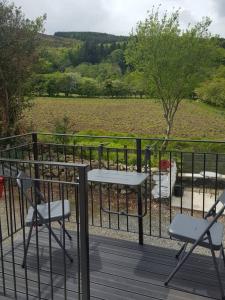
(1, 185)
(164, 165)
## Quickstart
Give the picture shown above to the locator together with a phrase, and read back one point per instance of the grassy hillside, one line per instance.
(58, 42)
(131, 116)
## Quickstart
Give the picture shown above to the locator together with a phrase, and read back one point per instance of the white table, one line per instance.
(117, 177)
(133, 179)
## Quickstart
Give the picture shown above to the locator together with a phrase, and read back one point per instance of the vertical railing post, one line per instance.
(139, 198)
(36, 166)
(84, 234)
(100, 154)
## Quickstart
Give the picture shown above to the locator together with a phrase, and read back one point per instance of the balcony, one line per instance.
(108, 255)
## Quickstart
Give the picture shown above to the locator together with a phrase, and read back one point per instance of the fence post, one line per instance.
(100, 153)
(139, 198)
(36, 166)
(84, 233)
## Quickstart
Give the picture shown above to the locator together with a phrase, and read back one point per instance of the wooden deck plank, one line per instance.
(151, 263)
(119, 270)
(143, 268)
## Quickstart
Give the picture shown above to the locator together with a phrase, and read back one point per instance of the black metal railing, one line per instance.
(36, 257)
(181, 179)
(193, 191)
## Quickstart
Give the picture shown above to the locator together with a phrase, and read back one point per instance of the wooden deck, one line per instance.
(120, 270)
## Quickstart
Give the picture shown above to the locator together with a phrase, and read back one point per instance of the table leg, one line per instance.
(140, 219)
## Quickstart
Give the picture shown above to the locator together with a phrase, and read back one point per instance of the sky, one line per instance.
(118, 16)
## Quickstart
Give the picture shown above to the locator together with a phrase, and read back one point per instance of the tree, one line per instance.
(173, 61)
(38, 84)
(136, 83)
(213, 91)
(52, 84)
(62, 126)
(88, 87)
(19, 39)
(115, 88)
(67, 84)
(108, 71)
(55, 59)
(117, 57)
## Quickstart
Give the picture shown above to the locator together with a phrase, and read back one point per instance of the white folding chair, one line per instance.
(205, 232)
(39, 214)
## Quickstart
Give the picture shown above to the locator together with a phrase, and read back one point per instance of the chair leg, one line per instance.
(66, 232)
(181, 250)
(179, 264)
(59, 243)
(223, 256)
(216, 267)
(27, 246)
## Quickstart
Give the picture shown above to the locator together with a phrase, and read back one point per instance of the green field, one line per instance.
(132, 116)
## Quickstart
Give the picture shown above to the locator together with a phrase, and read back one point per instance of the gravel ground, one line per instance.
(159, 215)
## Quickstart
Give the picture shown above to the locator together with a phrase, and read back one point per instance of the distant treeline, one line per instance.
(93, 64)
(95, 37)
(72, 84)
(89, 64)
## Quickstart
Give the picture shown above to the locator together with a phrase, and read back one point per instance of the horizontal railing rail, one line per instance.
(190, 186)
(31, 211)
(129, 138)
(179, 181)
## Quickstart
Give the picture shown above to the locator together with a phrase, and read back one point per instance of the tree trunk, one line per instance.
(5, 112)
(167, 135)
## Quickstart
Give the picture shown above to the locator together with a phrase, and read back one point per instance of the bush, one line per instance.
(55, 83)
(213, 92)
(62, 126)
(115, 88)
(89, 87)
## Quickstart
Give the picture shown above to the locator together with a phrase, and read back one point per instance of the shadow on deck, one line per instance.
(120, 270)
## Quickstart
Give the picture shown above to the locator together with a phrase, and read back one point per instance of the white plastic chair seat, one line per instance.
(189, 229)
(56, 212)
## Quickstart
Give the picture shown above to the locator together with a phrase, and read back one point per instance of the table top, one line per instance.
(117, 177)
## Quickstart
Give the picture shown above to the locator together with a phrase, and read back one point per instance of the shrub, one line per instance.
(213, 92)
(88, 87)
(62, 126)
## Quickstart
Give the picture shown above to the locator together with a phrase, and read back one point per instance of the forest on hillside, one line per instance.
(96, 37)
(85, 64)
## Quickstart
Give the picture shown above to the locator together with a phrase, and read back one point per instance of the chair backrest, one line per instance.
(221, 198)
(215, 216)
(212, 210)
(24, 182)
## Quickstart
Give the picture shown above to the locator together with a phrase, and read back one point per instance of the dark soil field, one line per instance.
(132, 116)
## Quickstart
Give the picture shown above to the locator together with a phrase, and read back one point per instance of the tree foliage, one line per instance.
(213, 91)
(100, 71)
(19, 40)
(95, 37)
(174, 61)
(137, 83)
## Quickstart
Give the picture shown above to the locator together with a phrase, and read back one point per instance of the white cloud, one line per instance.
(118, 16)
(220, 7)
